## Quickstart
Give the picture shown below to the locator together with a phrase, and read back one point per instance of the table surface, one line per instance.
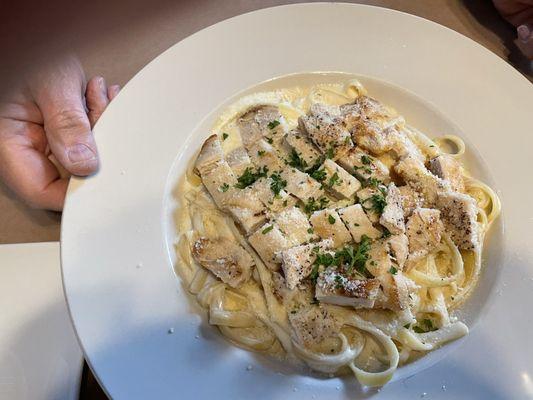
(116, 39)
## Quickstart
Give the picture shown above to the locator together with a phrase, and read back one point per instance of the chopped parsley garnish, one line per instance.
(260, 153)
(330, 152)
(377, 201)
(277, 184)
(338, 281)
(248, 177)
(331, 219)
(285, 203)
(366, 159)
(310, 231)
(224, 187)
(269, 140)
(267, 229)
(364, 168)
(313, 205)
(372, 182)
(347, 140)
(356, 224)
(273, 124)
(426, 325)
(431, 145)
(319, 174)
(334, 180)
(349, 257)
(296, 161)
(393, 270)
(224, 136)
(386, 233)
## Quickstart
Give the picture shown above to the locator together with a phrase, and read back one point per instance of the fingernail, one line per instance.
(523, 33)
(80, 153)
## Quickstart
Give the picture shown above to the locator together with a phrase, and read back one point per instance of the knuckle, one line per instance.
(68, 120)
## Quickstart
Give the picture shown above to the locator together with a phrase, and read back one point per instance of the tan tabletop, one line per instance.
(116, 39)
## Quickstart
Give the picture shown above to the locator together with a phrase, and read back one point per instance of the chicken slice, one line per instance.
(306, 151)
(263, 155)
(325, 127)
(238, 160)
(339, 181)
(274, 202)
(328, 224)
(211, 154)
(259, 122)
(268, 240)
(459, 213)
(294, 225)
(448, 169)
(312, 324)
(364, 166)
(415, 173)
(424, 230)
(372, 200)
(335, 288)
(297, 262)
(369, 135)
(398, 248)
(301, 184)
(392, 217)
(397, 288)
(379, 261)
(226, 259)
(357, 222)
(411, 199)
(219, 180)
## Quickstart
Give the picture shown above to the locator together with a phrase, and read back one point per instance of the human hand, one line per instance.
(520, 14)
(45, 127)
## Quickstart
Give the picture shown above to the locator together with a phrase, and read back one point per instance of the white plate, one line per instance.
(117, 262)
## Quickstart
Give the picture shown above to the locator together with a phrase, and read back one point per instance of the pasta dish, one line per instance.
(317, 226)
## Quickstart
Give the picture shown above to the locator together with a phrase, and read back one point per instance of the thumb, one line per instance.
(58, 92)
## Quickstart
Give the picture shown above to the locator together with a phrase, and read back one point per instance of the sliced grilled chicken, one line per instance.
(297, 262)
(263, 155)
(424, 230)
(364, 166)
(398, 248)
(379, 260)
(411, 199)
(268, 240)
(226, 259)
(339, 181)
(415, 173)
(245, 207)
(357, 222)
(371, 198)
(306, 151)
(273, 201)
(259, 122)
(392, 217)
(459, 213)
(301, 184)
(328, 224)
(294, 225)
(312, 324)
(396, 288)
(238, 160)
(447, 168)
(325, 127)
(335, 288)
(210, 155)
